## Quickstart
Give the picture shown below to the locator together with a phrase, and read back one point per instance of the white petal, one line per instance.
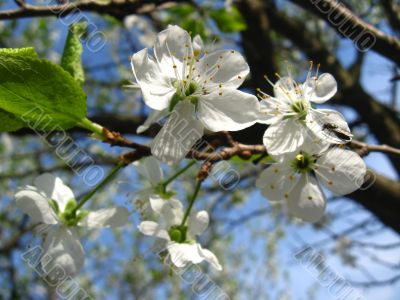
(178, 135)
(182, 254)
(198, 44)
(317, 119)
(342, 171)
(336, 118)
(156, 203)
(210, 258)
(55, 189)
(225, 67)
(321, 89)
(198, 223)
(313, 145)
(65, 250)
(172, 212)
(173, 47)
(36, 206)
(153, 170)
(156, 88)
(271, 111)
(284, 137)
(153, 117)
(170, 209)
(233, 110)
(153, 229)
(276, 182)
(285, 90)
(105, 218)
(307, 200)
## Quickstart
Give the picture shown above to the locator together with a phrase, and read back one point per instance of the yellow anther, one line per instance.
(300, 157)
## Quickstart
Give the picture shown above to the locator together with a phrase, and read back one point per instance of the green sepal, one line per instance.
(178, 233)
(174, 101)
(54, 206)
(160, 190)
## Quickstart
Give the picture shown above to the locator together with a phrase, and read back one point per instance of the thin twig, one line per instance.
(363, 148)
(115, 8)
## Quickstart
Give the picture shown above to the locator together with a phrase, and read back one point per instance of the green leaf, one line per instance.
(9, 122)
(181, 11)
(228, 22)
(22, 52)
(195, 26)
(71, 59)
(39, 92)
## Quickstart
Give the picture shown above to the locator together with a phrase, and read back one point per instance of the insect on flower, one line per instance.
(333, 129)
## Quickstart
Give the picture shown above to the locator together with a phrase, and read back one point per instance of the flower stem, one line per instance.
(177, 174)
(108, 178)
(192, 200)
(91, 126)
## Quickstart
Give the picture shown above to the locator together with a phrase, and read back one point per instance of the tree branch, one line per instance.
(116, 8)
(363, 149)
(385, 45)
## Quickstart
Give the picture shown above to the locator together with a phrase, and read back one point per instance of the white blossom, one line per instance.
(297, 178)
(292, 118)
(197, 90)
(50, 202)
(180, 241)
(150, 169)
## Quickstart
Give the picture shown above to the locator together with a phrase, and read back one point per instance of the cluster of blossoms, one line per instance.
(199, 90)
(190, 91)
(52, 203)
(308, 147)
(177, 231)
(179, 234)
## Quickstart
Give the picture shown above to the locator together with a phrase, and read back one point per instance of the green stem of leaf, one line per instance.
(108, 178)
(192, 200)
(91, 126)
(167, 181)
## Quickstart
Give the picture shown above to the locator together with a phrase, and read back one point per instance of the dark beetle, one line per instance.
(341, 134)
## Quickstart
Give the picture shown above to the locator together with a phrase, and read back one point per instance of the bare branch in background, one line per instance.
(385, 45)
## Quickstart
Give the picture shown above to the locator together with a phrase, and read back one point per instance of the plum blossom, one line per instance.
(297, 178)
(150, 169)
(292, 118)
(196, 90)
(50, 202)
(180, 240)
